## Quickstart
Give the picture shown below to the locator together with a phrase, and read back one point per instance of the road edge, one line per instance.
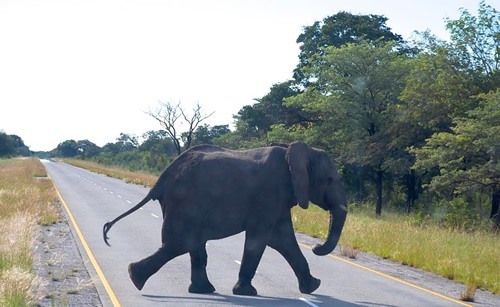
(90, 255)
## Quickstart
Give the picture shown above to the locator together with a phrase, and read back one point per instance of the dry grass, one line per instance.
(348, 251)
(469, 293)
(18, 287)
(115, 172)
(27, 199)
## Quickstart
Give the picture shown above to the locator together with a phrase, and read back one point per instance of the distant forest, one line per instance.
(414, 125)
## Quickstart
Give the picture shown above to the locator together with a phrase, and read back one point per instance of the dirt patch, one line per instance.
(59, 265)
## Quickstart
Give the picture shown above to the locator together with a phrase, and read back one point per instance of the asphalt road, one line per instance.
(94, 199)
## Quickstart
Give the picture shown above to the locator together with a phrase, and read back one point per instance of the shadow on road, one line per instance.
(220, 299)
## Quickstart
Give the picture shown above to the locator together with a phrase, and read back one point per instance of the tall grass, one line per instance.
(27, 199)
(471, 258)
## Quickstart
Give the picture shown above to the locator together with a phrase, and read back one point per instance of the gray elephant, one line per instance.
(210, 193)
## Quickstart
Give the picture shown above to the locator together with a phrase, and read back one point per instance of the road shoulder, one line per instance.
(65, 280)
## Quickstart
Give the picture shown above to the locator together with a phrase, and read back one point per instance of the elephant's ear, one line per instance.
(298, 162)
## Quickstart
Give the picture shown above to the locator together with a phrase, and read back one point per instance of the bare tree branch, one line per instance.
(171, 116)
(193, 122)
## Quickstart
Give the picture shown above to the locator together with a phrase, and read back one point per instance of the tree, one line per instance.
(446, 78)
(13, 145)
(87, 149)
(157, 150)
(127, 142)
(206, 134)
(172, 117)
(355, 87)
(467, 156)
(157, 141)
(336, 31)
(477, 39)
(256, 120)
(437, 90)
(7, 145)
(67, 149)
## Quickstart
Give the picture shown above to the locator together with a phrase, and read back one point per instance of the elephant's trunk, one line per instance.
(338, 216)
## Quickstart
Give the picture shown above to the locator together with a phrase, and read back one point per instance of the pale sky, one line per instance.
(91, 69)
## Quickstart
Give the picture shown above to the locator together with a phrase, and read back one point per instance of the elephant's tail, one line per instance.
(108, 225)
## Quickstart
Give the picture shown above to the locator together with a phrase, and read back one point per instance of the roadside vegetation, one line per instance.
(27, 200)
(142, 178)
(468, 257)
(459, 254)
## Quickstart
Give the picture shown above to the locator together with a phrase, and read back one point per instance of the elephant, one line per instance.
(209, 193)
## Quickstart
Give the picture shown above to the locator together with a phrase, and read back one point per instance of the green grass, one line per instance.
(25, 202)
(471, 258)
(467, 257)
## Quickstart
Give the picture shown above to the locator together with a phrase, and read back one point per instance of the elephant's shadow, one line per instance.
(222, 299)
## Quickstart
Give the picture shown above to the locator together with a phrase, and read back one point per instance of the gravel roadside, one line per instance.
(66, 282)
(64, 278)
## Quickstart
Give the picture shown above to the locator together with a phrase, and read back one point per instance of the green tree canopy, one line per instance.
(256, 120)
(476, 39)
(87, 149)
(67, 149)
(355, 87)
(205, 134)
(467, 156)
(337, 30)
(8, 145)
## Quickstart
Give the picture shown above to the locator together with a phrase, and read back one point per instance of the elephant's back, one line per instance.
(215, 168)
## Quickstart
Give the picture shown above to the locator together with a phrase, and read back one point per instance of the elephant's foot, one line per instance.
(310, 286)
(244, 289)
(201, 288)
(138, 278)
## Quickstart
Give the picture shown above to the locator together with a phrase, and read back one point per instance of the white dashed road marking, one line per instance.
(307, 302)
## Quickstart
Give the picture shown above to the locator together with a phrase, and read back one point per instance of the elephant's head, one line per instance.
(315, 179)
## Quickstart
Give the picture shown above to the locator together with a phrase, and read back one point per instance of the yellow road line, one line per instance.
(393, 278)
(107, 287)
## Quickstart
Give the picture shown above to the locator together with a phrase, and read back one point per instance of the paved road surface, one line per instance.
(94, 199)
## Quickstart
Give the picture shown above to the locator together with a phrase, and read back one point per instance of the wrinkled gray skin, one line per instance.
(210, 193)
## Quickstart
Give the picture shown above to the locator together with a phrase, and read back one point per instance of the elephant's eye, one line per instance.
(330, 180)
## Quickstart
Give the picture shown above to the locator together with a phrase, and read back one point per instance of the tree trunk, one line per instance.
(411, 195)
(495, 208)
(177, 145)
(359, 184)
(378, 183)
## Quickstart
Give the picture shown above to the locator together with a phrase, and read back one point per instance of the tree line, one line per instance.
(12, 145)
(414, 125)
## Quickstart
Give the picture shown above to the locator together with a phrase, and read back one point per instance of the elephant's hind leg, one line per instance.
(199, 278)
(140, 271)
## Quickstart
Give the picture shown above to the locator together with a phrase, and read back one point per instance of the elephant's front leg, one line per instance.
(199, 278)
(254, 248)
(283, 240)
